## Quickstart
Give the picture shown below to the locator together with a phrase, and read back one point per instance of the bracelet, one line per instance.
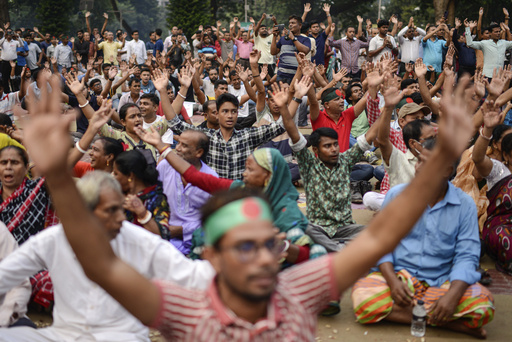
(163, 149)
(483, 136)
(111, 79)
(81, 150)
(180, 94)
(256, 75)
(82, 106)
(286, 245)
(166, 152)
(146, 218)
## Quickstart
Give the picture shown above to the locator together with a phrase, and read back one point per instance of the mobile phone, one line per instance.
(280, 27)
(269, 16)
(445, 15)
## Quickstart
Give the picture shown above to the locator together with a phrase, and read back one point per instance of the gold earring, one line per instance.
(129, 180)
(107, 163)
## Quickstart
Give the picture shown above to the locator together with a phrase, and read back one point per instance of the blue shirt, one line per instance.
(148, 88)
(444, 244)
(151, 46)
(21, 60)
(319, 57)
(467, 56)
(287, 60)
(433, 53)
(159, 46)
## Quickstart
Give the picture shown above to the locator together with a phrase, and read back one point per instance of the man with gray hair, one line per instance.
(83, 310)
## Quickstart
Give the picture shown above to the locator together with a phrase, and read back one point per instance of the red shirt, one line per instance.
(342, 127)
(81, 168)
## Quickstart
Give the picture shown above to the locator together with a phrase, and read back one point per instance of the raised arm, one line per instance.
(274, 50)
(391, 98)
(160, 82)
(77, 88)
(327, 10)
(421, 71)
(105, 15)
(479, 25)
(260, 87)
(492, 118)
(307, 9)
(258, 24)
(280, 96)
(244, 77)
(87, 15)
(393, 223)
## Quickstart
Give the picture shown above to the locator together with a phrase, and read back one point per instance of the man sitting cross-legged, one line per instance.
(82, 309)
(437, 263)
(248, 299)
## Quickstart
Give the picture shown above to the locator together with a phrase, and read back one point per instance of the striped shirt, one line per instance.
(301, 293)
(287, 60)
(349, 52)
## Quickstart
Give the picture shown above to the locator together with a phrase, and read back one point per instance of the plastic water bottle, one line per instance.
(419, 320)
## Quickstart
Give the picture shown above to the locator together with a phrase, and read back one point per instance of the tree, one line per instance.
(4, 12)
(188, 14)
(54, 15)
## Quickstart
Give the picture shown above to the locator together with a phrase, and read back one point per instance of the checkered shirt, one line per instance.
(227, 158)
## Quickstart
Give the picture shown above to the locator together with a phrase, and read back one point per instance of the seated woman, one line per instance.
(103, 150)
(496, 232)
(267, 170)
(25, 209)
(145, 201)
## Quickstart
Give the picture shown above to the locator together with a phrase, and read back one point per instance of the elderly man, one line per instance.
(82, 309)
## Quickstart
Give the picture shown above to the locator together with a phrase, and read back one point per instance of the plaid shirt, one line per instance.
(227, 158)
(327, 190)
(396, 137)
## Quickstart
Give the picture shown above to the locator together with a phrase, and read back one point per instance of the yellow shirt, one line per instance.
(110, 49)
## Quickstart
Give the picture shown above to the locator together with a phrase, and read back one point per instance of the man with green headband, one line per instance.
(248, 299)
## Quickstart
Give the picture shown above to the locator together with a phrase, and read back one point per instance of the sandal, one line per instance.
(333, 308)
(485, 279)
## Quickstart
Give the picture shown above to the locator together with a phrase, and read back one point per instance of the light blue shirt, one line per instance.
(444, 244)
(494, 53)
(433, 53)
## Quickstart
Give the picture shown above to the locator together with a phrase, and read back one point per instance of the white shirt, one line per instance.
(168, 135)
(7, 102)
(82, 308)
(410, 49)
(376, 43)
(138, 48)
(33, 50)
(9, 49)
(263, 45)
(208, 88)
(401, 168)
(17, 298)
(63, 54)
(243, 110)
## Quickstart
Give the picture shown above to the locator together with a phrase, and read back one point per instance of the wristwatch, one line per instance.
(294, 39)
(299, 101)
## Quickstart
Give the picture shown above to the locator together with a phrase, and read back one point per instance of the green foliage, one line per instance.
(54, 15)
(188, 14)
(422, 11)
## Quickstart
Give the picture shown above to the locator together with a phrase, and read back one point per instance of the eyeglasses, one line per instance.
(428, 143)
(248, 250)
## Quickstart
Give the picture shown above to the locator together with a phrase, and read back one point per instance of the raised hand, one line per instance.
(74, 84)
(53, 60)
(340, 74)
(36, 30)
(72, 40)
(12, 63)
(112, 72)
(185, 77)
(481, 11)
(243, 74)
(105, 15)
(264, 72)
(473, 24)
(254, 56)
(150, 136)
(360, 19)
(457, 23)
(308, 68)
(235, 19)
(251, 20)
(456, 125)
(219, 23)
(326, 8)
(87, 14)
(46, 128)
(307, 7)
(390, 92)
(479, 84)
(505, 12)
(302, 86)
(134, 204)
(492, 114)
(280, 94)
(102, 115)
(374, 78)
(394, 19)
(499, 78)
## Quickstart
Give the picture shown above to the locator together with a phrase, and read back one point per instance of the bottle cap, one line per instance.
(420, 302)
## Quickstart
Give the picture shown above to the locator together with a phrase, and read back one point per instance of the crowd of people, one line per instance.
(121, 210)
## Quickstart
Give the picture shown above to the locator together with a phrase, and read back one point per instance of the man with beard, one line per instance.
(262, 42)
(185, 200)
(82, 46)
(317, 33)
(349, 48)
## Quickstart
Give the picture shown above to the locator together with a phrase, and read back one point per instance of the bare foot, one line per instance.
(458, 326)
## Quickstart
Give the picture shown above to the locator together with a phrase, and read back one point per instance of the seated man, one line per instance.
(326, 175)
(185, 200)
(82, 309)
(437, 263)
